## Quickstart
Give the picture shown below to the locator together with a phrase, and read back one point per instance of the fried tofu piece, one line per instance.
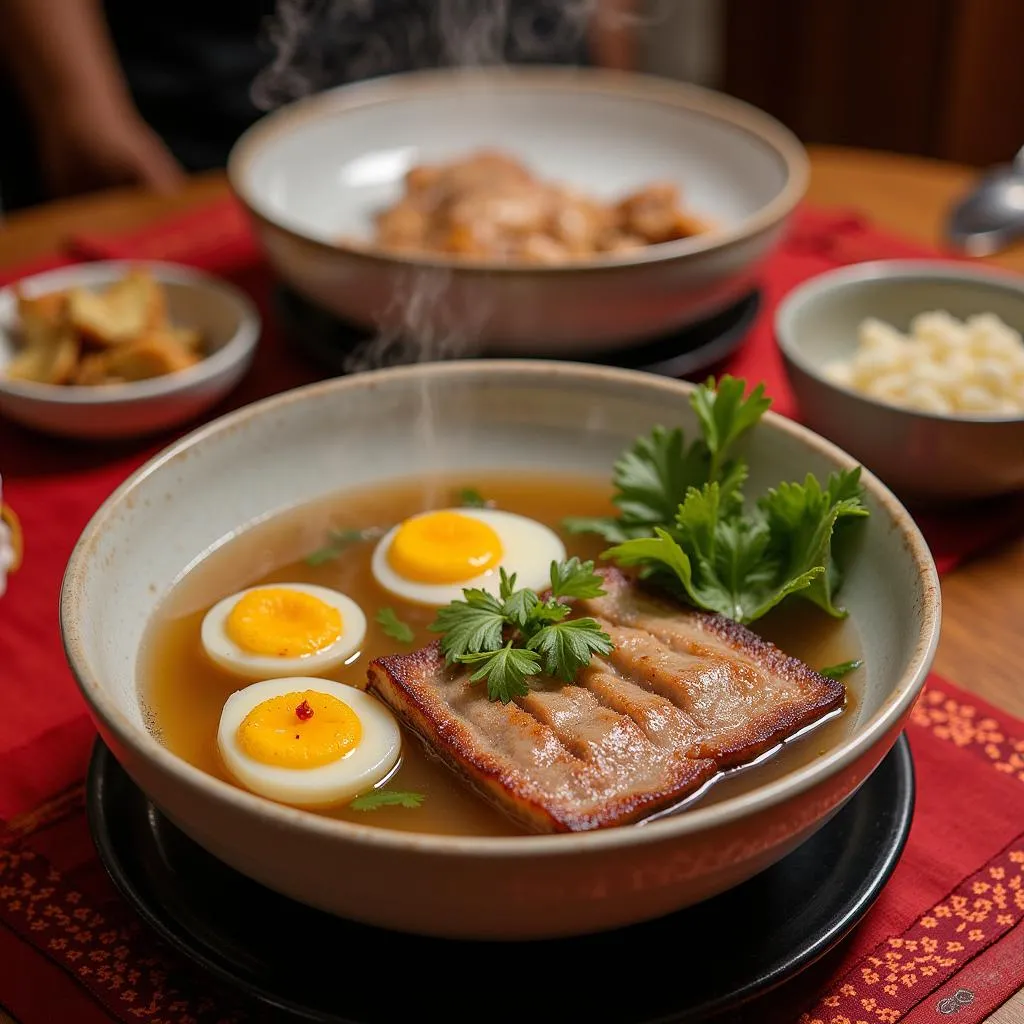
(92, 369)
(119, 313)
(49, 347)
(47, 358)
(41, 317)
(187, 337)
(120, 333)
(153, 355)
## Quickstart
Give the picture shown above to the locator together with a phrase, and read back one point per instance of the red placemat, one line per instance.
(71, 951)
(944, 936)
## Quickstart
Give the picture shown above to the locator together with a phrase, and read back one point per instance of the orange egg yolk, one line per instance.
(280, 623)
(305, 729)
(444, 547)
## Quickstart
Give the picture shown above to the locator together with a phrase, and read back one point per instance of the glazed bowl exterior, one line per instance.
(923, 457)
(313, 173)
(534, 416)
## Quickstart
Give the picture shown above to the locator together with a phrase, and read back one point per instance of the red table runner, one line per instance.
(942, 938)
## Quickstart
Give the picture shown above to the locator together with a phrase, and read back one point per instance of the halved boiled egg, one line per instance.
(283, 629)
(429, 558)
(307, 742)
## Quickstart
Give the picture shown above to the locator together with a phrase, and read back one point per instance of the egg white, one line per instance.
(528, 549)
(221, 649)
(327, 785)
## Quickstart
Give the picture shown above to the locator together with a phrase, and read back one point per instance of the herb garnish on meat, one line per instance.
(515, 636)
(684, 522)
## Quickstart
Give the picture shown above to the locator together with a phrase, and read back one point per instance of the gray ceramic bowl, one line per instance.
(920, 455)
(541, 416)
(313, 173)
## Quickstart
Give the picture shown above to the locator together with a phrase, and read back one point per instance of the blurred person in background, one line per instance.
(101, 93)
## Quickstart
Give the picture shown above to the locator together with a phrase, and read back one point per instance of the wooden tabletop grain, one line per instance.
(983, 601)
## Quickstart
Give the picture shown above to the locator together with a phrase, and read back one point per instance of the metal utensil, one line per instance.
(991, 216)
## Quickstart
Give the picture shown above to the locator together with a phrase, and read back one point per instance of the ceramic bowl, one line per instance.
(923, 457)
(520, 415)
(313, 173)
(226, 317)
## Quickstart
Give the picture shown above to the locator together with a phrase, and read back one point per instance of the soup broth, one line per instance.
(183, 691)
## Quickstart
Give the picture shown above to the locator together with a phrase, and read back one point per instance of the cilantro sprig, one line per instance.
(844, 668)
(378, 798)
(393, 626)
(339, 541)
(683, 520)
(470, 497)
(509, 639)
(653, 477)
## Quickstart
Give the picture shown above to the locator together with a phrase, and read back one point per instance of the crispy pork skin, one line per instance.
(682, 696)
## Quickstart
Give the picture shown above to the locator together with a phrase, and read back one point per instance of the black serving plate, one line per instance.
(301, 964)
(338, 347)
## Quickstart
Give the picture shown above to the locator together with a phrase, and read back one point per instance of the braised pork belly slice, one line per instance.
(741, 693)
(683, 696)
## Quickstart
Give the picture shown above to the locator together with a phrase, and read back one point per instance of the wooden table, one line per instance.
(983, 602)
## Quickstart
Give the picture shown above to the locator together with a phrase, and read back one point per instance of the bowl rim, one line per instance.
(234, 351)
(136, 738)
(650, 88)
(888, 270)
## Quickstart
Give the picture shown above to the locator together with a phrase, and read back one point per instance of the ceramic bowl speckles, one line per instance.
(924, 457)
(313, 173)
(226, 317)
(355, 431)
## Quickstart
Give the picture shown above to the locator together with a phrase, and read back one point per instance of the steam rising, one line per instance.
(318, 44)
(421, 323)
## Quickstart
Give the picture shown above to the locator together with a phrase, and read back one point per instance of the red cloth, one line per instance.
(71, 951)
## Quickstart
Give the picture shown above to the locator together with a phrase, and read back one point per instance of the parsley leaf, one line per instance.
(393, 626)
(378, 798)
(471, 625)
(568, 646)
(516, 605)
(806, 522)
(510, 638)
(468, 497)
(741, 564)
(654, 476)
(725, 416)
(575, 579)
(338, 541)
(683, 522)
(844, 668)
(656, 554)
(650, 480)
(506, 670)
(545, 613)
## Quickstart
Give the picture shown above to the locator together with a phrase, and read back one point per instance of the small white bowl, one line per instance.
(226, 317)
(923, 457)
(313, 173)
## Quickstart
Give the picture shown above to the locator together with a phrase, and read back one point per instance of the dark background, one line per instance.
(939, 78)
